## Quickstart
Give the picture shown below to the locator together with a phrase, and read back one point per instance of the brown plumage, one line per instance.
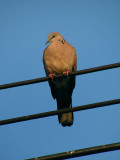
(60, 58)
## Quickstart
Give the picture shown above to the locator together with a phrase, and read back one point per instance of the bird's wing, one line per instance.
(75, 60)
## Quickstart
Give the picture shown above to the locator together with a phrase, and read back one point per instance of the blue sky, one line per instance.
(93, 28)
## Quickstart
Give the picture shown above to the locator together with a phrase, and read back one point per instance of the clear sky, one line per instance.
(93, 28)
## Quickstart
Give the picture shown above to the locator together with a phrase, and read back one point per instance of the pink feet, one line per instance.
(66, 72)
(51, 76)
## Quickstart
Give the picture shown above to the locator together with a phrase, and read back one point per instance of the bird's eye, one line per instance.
(53, 36)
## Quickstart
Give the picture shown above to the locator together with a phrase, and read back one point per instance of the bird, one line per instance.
(60, 57)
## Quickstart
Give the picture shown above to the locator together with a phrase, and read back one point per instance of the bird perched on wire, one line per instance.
(60, 58)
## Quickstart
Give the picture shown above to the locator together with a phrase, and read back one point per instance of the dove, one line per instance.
(60, 58)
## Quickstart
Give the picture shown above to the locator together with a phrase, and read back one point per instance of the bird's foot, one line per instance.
(66, 73)
(51, 75)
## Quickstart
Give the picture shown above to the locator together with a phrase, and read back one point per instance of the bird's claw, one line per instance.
(66, 73)
(51, 76)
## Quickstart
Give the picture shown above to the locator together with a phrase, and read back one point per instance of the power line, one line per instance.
(80, 152)
(80, 72)
(74, 153)
(52, 113)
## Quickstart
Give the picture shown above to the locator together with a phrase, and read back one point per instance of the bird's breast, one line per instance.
(58, 59)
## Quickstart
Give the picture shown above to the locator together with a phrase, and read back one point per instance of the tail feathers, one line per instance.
(66, 119)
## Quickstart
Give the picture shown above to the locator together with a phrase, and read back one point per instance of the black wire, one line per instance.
(52, 113)
(80, 152)
(80, 72)
(75, 153)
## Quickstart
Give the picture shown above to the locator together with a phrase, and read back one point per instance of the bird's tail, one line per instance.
(62, 91)
(66, 119)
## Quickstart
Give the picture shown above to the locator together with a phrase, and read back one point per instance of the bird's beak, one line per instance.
(47, 42)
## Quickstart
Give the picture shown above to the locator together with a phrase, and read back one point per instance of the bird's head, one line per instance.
(55, 36)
